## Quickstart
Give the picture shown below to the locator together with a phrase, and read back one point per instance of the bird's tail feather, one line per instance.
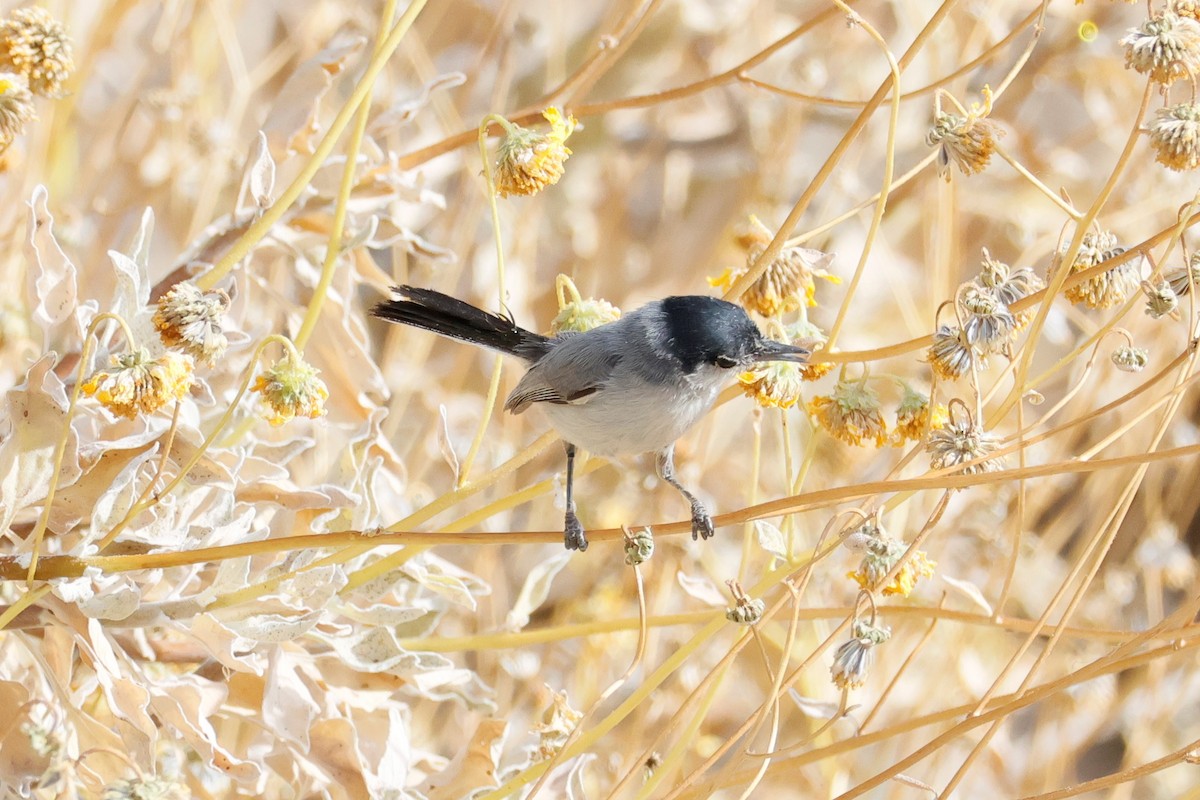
(448, 316)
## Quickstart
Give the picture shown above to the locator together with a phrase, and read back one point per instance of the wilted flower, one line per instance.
(1185, 8)
(146, 787)
(190, 319)
(1175, 136)
(965, 141)
(988, 323)
(852, 660)
(746, 611)
(36, 45)
(881, 554)
(950, 355)
(1009, 285)
(136, 383)
(1181, 279)
(291, 388)
(578, 316)
(639, 547)
(1128, 358)
(959, 442)
(773, 384)
(851, 414)
(16, 107)
(1108, 288)
(529, 161)
(914, 415)
(1166, 48)
(1160, 299)
(555, 728)
(788, 281)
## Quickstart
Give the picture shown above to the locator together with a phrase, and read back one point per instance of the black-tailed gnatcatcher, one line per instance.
(628, 387)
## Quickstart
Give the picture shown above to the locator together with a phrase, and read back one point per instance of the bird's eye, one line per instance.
(725, 362)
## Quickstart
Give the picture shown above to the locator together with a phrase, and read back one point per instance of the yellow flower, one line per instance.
(851, 415)
(137, 383)
(529, 161)
(788, 281)
(918, 566)
(16, 107)
(190, 319)
(966, 142)
(36, 45)
(774, 384)
(291, 388)
(914, 415)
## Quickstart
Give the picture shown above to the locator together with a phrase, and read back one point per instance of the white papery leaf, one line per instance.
(185, 704)
(273, 628)
(701, 588)
(226, 645)
(474, 769)
(288, 707)
(292, 122)
(261, 177)
(445, 579)
(817, 709)
(535, 589)
(54, 293)
(970, 591)
(771, 539)
(376, 650)
(444, 444)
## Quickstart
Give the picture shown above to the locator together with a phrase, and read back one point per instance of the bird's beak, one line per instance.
(771, 350)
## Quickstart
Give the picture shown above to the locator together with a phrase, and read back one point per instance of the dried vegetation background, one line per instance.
(371, 599)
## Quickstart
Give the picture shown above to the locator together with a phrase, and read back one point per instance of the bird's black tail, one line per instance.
(445, 315)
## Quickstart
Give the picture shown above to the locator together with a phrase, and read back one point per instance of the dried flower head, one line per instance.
(777, 384)
(987, 322)
(852, 660)
(965, 141)
(1185, 8)
(36, 45)
(880, 554)
(578, 316)
(146, 787)
(746, 610)
(1109, 287)
(1128, 358)
(1175, 136)
(1009, 285)
(1161, 299)
(788, 281)
(555, 728)
(291, 388)
(851, 414)
(1181, 279)
(190, 319)
(950, 356)
(529, 161)
(639, 547)
(16, 107)
(915, 415)
(961, 441)
(1165, 47)
(135, 383)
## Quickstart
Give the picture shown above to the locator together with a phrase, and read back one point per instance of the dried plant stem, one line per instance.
(1184, 755)
(259, 228)
(333, 250)
(1049, 193)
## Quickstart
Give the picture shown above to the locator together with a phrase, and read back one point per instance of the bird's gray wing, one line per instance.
(572, 372)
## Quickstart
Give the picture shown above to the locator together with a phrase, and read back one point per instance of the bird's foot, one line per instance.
(702, 524)
(573, 536)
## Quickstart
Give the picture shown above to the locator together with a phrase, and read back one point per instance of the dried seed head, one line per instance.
(881, 553)
(852, 660)
(915, 415)
(851, 414)
(1009, 285)
(1108, 288)
(959, 442)
(639, 547)
(16, 107)
(1165, 48)
(746, 611)
(773, 384)
(583, 315)
(190, 319)
(1128, 358)
(558, 721)
(788, 282)
(1185, 8)
(291, 388)
(1175, 135)
(1161, 299)
(36, 45)
(966, 142)
(529, 161)
(950, 356)
(136, 383)
(988, 323)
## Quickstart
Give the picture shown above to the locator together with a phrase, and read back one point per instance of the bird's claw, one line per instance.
(573, 535)
(702, 524)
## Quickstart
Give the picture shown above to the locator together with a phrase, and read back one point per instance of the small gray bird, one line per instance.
(628, 387)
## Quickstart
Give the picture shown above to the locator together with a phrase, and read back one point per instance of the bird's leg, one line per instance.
(573, 536)
(702, 524)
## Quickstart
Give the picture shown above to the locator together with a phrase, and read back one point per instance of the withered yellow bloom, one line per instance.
(291, 388)
(36, 45)
(190, 319)
(529, 161)
(135, 383)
